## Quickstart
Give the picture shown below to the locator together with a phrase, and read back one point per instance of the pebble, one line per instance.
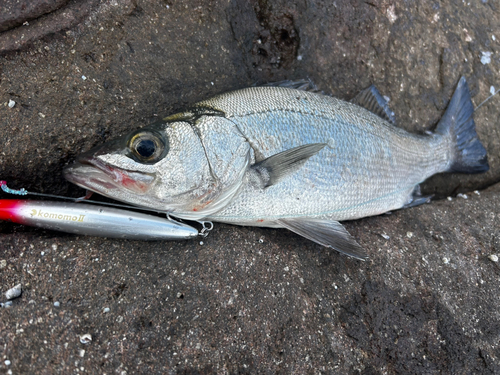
(11, 103)
(86, 338)
(13, 292)
(486, 57)
(493, 258)
(446, 260)
(492, 90)
(7, 362)
(409, 234)
(105, 310)
(57, 304)
(385, 236)
(460, 195)
(450, 198)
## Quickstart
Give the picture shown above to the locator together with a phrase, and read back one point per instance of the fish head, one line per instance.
(170, 166)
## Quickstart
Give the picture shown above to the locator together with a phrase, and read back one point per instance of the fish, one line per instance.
(283, 157)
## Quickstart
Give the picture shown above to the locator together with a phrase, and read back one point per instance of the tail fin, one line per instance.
(469, 155)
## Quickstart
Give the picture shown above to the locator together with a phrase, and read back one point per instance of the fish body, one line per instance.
(366, 167)
(282, 157)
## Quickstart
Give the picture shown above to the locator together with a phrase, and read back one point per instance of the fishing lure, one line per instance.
(88, 219)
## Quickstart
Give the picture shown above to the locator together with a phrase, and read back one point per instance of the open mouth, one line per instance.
(95, 175)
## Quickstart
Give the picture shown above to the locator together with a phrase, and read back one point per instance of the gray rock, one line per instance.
(250, 300)
(13, 292)
(16, 12)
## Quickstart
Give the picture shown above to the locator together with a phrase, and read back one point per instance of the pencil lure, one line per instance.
(86, 219)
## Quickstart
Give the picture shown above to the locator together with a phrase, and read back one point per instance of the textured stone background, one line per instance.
(248, 300)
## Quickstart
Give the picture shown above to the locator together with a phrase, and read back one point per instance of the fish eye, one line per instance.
(147, 146)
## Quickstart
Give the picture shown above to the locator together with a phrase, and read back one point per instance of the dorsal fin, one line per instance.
(299, 84)
(372, 100)
(194, 113)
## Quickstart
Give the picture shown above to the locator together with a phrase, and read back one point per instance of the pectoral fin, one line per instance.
(273, 169)
(328, 233)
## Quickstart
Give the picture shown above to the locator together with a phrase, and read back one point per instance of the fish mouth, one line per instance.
(95, 175)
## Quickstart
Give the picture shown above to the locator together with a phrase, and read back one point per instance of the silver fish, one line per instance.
(283, 158)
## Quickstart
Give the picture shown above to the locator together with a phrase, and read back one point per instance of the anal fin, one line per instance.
(328, 233)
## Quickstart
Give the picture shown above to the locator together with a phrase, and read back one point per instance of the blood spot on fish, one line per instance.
(201, 206)
(130, 183)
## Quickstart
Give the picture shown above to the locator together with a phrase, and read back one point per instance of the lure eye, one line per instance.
(147, 146)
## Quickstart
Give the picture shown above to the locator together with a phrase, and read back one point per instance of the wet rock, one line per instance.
(40, 19)
(16, 12)
(267, 35)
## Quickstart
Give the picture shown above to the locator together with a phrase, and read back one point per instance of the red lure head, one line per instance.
(9, 209)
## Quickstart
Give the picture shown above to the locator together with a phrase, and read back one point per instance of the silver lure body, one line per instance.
(281, 157)
(92, 220)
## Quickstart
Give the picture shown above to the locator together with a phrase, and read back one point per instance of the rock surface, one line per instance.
(248, 300)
